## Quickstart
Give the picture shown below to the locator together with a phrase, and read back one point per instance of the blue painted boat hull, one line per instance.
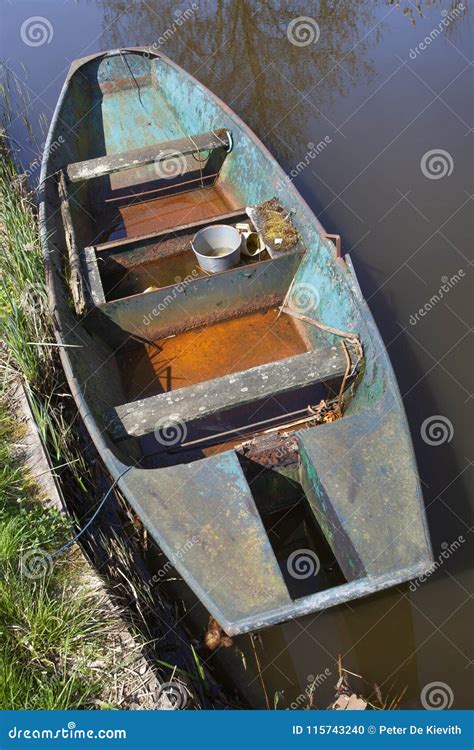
(358, 473)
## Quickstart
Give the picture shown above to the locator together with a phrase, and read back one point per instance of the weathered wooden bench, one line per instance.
(139, 157)
(195, 403)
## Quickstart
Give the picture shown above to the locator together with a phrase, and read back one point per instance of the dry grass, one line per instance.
(276, 225)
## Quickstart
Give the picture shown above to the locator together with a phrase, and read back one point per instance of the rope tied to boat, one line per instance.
(230, 144)
(72, 541)
(197, 150)
(353, 340)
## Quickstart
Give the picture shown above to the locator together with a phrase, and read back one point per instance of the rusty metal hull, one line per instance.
(358, 474)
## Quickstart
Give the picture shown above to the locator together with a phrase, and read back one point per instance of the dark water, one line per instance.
(376, 103)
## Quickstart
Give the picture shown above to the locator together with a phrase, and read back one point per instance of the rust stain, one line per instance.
(209, 352)
(170, 211)
(124, 84)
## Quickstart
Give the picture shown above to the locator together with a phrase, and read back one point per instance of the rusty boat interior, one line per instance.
(251, 416)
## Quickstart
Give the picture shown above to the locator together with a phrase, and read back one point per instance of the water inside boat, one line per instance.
(209, 352)
(293, 531)
(140, 216)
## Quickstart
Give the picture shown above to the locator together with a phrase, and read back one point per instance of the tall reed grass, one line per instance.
(53, 629)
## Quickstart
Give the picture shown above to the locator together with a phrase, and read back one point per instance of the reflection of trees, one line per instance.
(415, 10)
(241, 48)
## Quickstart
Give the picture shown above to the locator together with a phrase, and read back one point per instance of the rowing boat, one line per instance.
(250, 417)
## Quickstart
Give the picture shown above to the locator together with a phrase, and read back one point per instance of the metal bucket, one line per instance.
(217, 248)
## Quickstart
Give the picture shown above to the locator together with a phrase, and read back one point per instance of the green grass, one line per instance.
(53, 628)
(28, 349)
(23, 298)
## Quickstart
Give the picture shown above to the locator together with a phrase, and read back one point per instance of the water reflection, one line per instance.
(414, 12)
(272, 72)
